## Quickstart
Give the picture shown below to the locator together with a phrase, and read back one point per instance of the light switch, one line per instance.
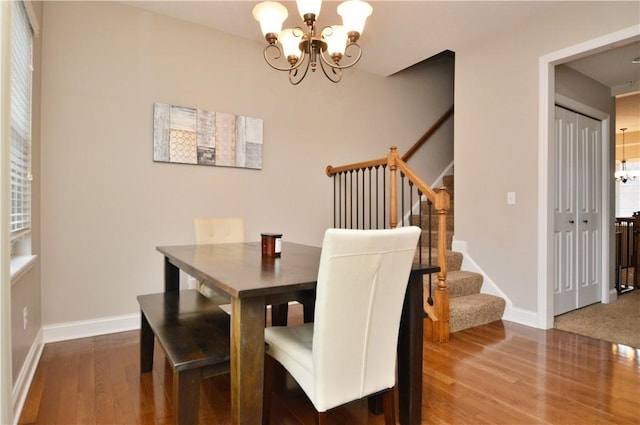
(511, 198)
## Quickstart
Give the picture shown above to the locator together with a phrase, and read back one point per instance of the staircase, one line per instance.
(467, 306)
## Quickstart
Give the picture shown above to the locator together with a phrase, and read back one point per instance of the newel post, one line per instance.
(393, 188)
(441, 297)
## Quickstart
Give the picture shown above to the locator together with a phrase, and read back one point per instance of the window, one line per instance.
(628, 194)
(20, 157)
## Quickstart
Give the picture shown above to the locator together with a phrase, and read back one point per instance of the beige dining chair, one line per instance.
(226, 230)
(349, 351)
(218, 230)
(214, 231)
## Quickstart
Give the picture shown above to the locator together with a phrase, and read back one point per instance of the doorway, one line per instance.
(546, 176)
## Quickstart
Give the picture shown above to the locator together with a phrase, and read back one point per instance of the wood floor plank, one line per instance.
(68, 388)
(105, 406)
(34, 396)
(501, 373)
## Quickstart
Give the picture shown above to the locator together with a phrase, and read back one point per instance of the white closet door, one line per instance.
(577, 198)
(589, 214)
(564, 213)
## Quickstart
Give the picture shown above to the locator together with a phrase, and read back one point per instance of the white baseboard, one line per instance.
(522, 316)
(613, 295)
(87, 328)
(511, 313)
(23, 383)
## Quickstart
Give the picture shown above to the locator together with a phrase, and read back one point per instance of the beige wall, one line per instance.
(579, 87)
(106, 205)
(496, 148)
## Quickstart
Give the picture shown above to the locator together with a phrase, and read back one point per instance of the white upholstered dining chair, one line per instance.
(349, 351)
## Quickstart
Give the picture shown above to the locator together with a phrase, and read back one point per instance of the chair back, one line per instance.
(362, 281)
(218, 230)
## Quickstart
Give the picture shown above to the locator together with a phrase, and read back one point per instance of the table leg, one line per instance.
(171, 276)
(247, 360)
(410, 342)
(279, 314)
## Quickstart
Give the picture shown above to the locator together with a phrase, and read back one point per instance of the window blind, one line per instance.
(20, 157)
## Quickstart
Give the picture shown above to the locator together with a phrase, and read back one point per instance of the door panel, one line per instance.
(564, 209)
(589, 215)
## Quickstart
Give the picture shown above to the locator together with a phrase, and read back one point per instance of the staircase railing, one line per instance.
(627, 253)
(369, 195)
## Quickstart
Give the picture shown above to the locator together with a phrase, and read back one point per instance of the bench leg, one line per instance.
(186, 396)
(146, 345)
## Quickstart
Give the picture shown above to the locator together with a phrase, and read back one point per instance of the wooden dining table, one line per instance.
(252, 281)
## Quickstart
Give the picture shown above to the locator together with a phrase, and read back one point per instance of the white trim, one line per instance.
(522, 316)
(546, 97)
(613, 295)
(576, 106)
(440, 178)
(20, 264)
(87, 328)
(23, 382)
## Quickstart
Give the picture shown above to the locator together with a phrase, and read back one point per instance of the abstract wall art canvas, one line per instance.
(194, 136)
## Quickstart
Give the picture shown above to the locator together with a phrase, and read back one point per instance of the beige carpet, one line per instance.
(617, 322)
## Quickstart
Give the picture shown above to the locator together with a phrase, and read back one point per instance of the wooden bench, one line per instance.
(194, 334)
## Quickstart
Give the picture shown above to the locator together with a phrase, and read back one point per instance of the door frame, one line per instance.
(546, 103)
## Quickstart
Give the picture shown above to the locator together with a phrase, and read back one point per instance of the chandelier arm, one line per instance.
(334, 65)
(294, 72)
(279, 55)
(337, 72)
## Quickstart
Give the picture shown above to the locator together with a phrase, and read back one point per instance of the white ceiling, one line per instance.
(420, 30)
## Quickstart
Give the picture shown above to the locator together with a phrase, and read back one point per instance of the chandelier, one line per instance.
(296, 49)
(623, 175)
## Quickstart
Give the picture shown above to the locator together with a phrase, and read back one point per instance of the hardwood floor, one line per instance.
(501, 373)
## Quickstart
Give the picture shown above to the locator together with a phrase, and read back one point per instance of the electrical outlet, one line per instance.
(25, 317)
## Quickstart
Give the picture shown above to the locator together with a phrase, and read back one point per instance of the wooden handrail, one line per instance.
(331, 171)
(427, 135)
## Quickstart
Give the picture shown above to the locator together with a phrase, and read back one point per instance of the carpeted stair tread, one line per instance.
(454, 259)
(461, 283)
(474, 310)
(424, 221)
(467, 306)
(434, 238)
